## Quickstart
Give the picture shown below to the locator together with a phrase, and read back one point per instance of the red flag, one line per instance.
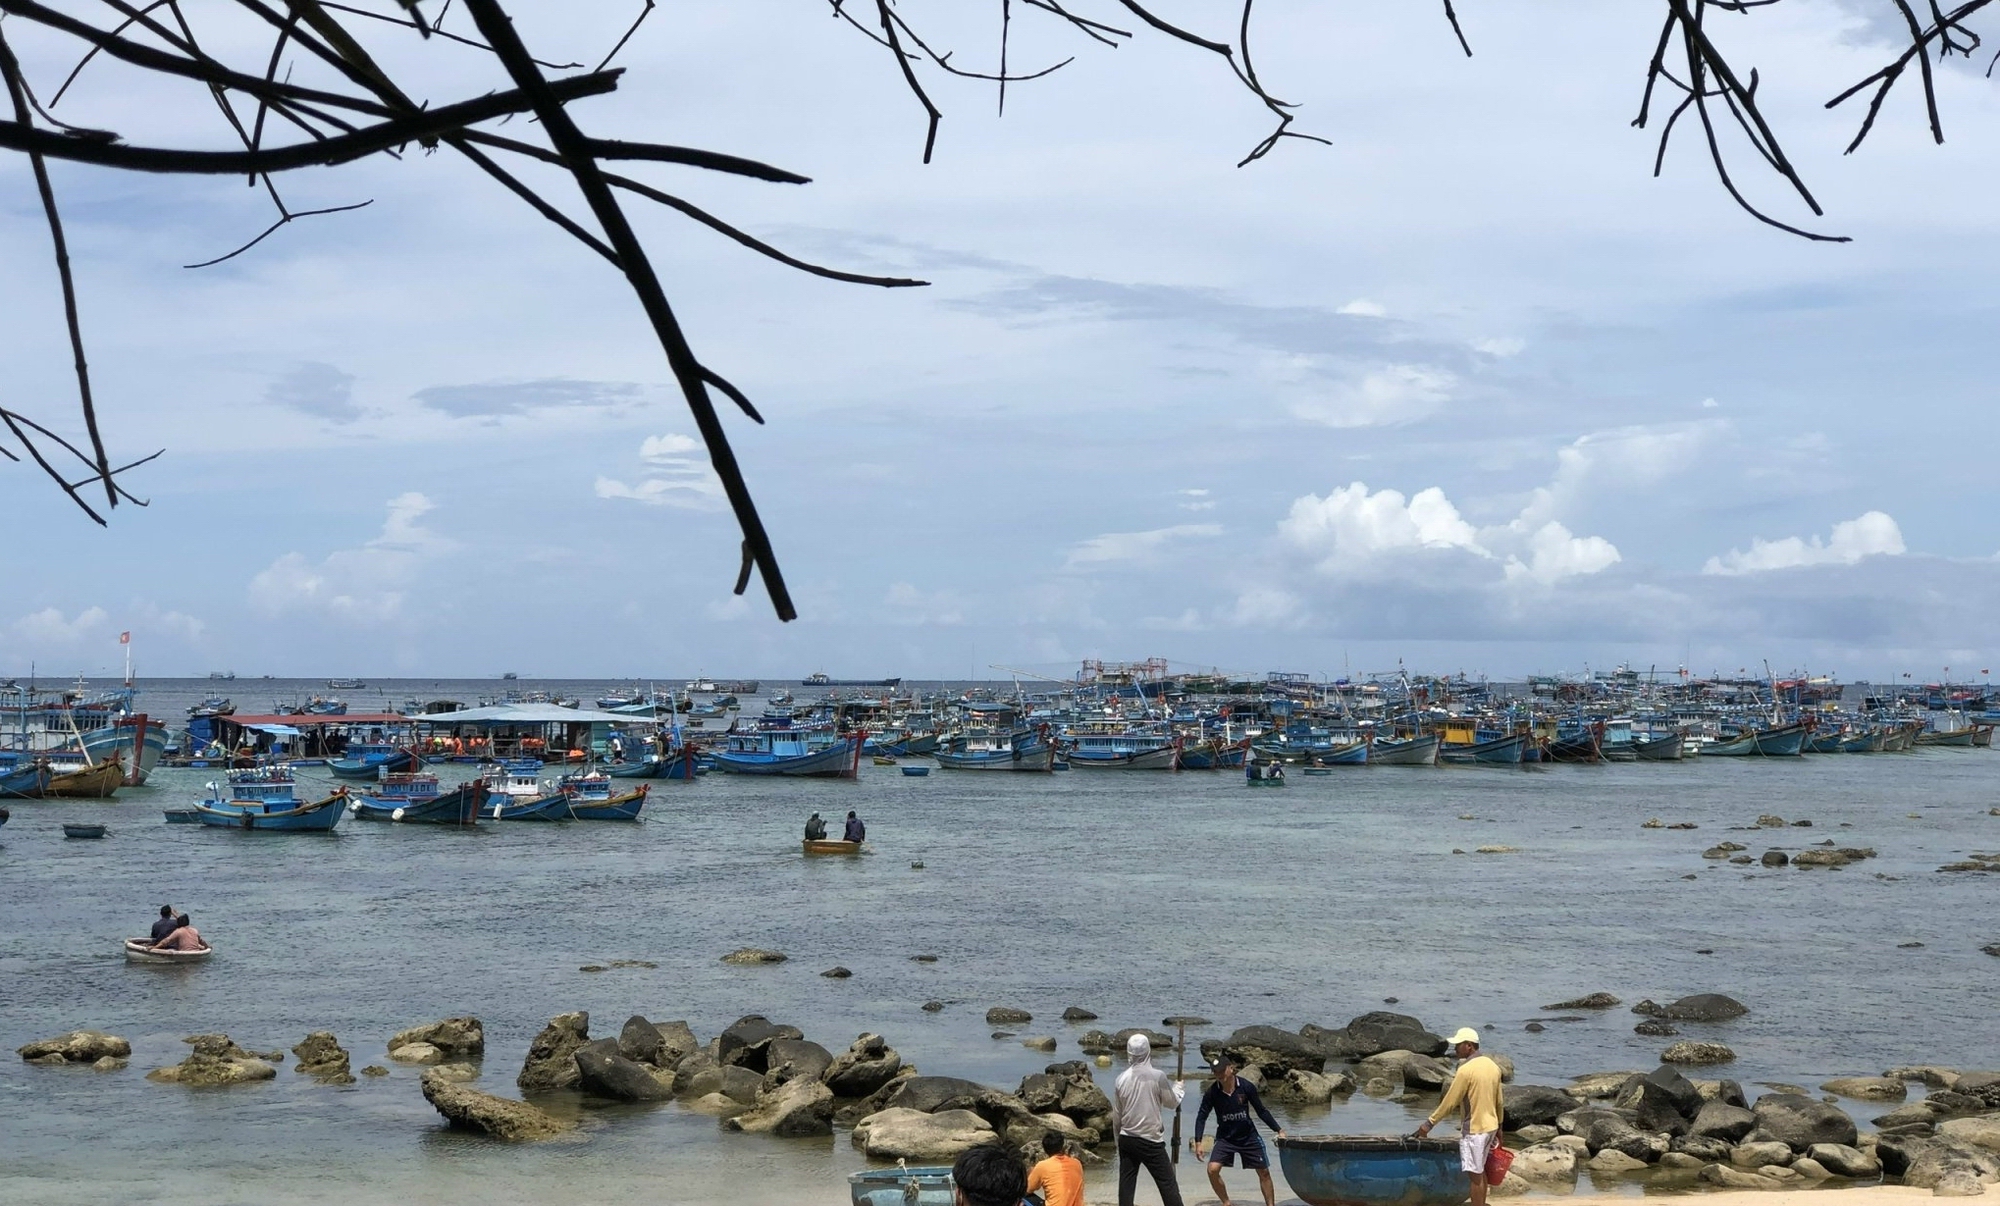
(124, 638)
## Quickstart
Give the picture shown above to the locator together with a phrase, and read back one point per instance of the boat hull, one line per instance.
(320, 816)
(1373, 1171)
(1166, 757)
(24, 782)
(1784, 741)
(618, 808)
(540, 808)
(1416, 751)
(1501, 751)
(1661, 749)
(459, 806)
(839, 761)
(372, 768)
(1960, 739)
(1040, 758)
(1353, 753)
(818, 847)
(99, 782)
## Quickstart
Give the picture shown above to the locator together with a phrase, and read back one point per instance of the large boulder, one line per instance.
(1868, 1088)
(1069, 1090)
(1697, 1053)
(905, 1134)
(1382, 1031)
(929, 1094)
(1594, 1085)
(1545, 1164)
(1702, 1007)
(602, 1072)
(747, 1044)
(1607, 1130)
(863, 1068)
(803, 1056)
(1720, 1120)
(641, 1041)
(1534, 1105)
(1941, 1159)
(214, 1063)
(738, 1084)
(1844, 1161)
(1735, 1178)
(469, 1109)
(1982, 1131)
(1703, 1148)
(1799, 1121)
(1424, 1074)
(455, 1038)
(1271, 1049)
(1300, 1087)
(792, 1109)
(76, 1047)
(320, 1055)
(1760, 1154)
(551, 1061)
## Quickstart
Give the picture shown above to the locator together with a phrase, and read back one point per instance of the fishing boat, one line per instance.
(1577, 743)
(515, 792)
(182, 816)
(552, 807)
(902, 1186)
(213, 706)
(371, 760)
(319, 816)
(26, 781)
(815, 846)
(1372, 1170)
(679, 764)
(1119, 745)
(1959, 739)
(1213, 754)
(97, 782)
(591, 798)
(1346, 753)
(140, 950)
(776, 748)
(1778, 741)
(1495, 751)
(1668, 748)
(73, 829)
(345, 684)
(821, 680)
(903, 744)
(1019, 750)
(883, 760)
(417, 799)
(1414, 751)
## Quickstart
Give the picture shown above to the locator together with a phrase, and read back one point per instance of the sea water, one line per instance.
(1137, 895)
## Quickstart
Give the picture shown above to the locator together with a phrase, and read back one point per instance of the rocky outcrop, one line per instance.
(602, 1071)
(1799, 1121)
(551, 1061)
(1696, 1053)
(1759, 1154)
(453, 1038)
(1867, 1088)
(1076, 1013)
(905, 1134)
(1983, 1131)
(1701, 1007)
(216, 1062)
(1534, 1105)
(319, 1054)
(1720, 1120)
(76, 1047)
(699, 1077)
(796, 1057)
(929, 1094)
(1068, 1090)
(1300, 1087)
(1844, 1161)
(1545, 1164)
(793, 1108)
(1735, 1178)
(1593, 1085)
(1270, 1049)
(1003, 1015)
(753, 956)
(1380, 1031)
(747, 1043)
(1596, 1000)
(469, 1109)
(863, 1068)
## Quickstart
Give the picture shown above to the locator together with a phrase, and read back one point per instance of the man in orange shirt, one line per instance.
(1059, 1178)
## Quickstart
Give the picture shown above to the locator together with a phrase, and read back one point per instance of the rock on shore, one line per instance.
(76, 1047)
(863, 1068)
(906, 1134)
(796, 1107)
(469, 1109)
(451, 1039)
(319, 1054)
(215, 1062)
(602, 1071)
(551, 1061)
(1697, 1053)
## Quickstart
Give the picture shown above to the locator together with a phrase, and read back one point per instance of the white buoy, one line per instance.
(396, 815)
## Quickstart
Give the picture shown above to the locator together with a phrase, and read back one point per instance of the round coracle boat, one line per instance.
(1373, 1170)
(928, 1186)
(140, 950)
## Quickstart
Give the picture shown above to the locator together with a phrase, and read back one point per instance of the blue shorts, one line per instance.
(1225, 1154)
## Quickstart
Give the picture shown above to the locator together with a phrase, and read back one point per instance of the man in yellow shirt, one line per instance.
(1475, 1095)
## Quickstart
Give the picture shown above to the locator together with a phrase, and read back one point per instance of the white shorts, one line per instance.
(1473, 1150)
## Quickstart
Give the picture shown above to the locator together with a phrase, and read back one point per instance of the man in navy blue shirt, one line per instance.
(167, 923)
(1232, 1099)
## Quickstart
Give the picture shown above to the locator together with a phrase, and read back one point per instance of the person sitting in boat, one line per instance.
(184, 937)
(815, 828)
(856, 831)
(167, 923)
(1277, 771)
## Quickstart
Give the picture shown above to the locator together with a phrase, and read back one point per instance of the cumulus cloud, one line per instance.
(50, 629)
(368, 584)
(678, 475)
(1387, 396)
(1351, 524)
(1553, 554)
(1137, 546)
(1870, 534)
(316, 389)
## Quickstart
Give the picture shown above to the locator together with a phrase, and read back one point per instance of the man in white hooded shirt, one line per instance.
(1141, 1092)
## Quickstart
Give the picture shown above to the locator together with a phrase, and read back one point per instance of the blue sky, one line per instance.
(1467, 387)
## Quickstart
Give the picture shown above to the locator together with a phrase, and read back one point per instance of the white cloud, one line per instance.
(1709, 404)
(361, 585)
(1555, 554)
(676, 477)
(1197, 500)
(1502, 348)
(50, 629)
(1397, 393)
(1363, 308)
(908, 605)
(1351, 524)
(1136, 546)
(1866, 535)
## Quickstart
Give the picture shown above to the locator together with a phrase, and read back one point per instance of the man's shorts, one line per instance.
(1473, 1150)
(1225, 1154)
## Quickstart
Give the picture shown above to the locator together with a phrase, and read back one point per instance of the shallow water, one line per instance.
(1137, 895)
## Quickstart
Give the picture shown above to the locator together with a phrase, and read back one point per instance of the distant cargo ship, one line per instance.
(821, 680)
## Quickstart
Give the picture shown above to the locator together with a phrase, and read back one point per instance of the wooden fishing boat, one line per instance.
(1413, 751)
(809, 753)
(815, 846)
(72, 829)
(282, 814)
(551, 807)
(97, 782)
(372, 762)
(1661, 749)
(1347, 753)
(1982, 736)
(1018, 750)
(421, 803)
(591, 799)
(139, 950)
(1584, 744)
(1957, 739)
(1373, 1170)
(1500, 751)
(1779, 741)
(883, 760)
(1214, 754)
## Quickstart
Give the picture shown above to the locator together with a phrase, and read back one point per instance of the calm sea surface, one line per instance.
(1136, 895)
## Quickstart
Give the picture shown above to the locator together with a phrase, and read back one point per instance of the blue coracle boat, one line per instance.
(1373, 1170)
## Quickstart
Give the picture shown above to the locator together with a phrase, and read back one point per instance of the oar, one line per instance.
(1180, 1025)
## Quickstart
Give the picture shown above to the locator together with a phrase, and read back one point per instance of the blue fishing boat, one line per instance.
(1778, 741)
(182, 816)
(275, 813)
(515, 792)
(1350, 753)
(676, 765)
(777, 748)
(1020, 750)
(552, 807)
(591, 798)
(1213, 754)
(25, 781)
(1098, 745)
(1496, 751)
(1412, 751)
(903, 744)
(369, 760)
(417, 799)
